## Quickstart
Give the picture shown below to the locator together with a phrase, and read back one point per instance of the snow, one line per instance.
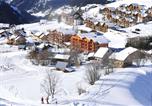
(20, 83)
(50, 25)
(96, 37)
(21, 86)
(122, 55)
(39, 14)
(147, 3)
(90, 54)
(127, 87)
(66, 31)
(145, 30)
(62, 56)
(101, 52)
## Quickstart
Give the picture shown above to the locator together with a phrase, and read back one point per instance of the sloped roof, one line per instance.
(62, 56)
(90, 54)
(96, 37)
(122, 55)
(101, 52)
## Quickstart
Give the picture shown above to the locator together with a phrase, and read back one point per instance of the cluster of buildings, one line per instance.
(86, 36)
(127, 15)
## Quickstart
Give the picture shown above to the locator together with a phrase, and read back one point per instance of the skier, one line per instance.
(42, 100)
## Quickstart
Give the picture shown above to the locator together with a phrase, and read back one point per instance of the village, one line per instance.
(112, 39)
(64, 47)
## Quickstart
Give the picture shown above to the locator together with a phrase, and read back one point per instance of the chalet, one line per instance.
(102, 28)
(126, 57)
(16, 40)
(108, 10)
(140, 17)
(102, 54)
(60, 36)
(127, 15)
(44, 36)
(20, 32)
(89, 24)
(39, 36)
(20, 40)
(4, 33)
(149, 11)
(134, 7)
(89, 42)
(96, 26)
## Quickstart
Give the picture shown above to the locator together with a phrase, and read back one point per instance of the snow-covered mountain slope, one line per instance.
(12, 15)
(43, 5)
(147, 3)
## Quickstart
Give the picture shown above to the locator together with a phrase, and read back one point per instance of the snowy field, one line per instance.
(20, 81)
(20, 84)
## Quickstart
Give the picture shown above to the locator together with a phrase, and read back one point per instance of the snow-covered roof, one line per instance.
(59, 50)
(84, 28)
(2, 30)
(29, 40)
(101, 52)
(41, 46)
(122, 55)
(95, 36)
(90, 54)
(62, 56)
(38, 33)
(117, 44)
(66, 31)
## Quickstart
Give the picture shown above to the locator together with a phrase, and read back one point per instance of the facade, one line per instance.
(126, 57)
(127, 15)
(98, 27)
(60, 36)
(102, 54)
(88, 42)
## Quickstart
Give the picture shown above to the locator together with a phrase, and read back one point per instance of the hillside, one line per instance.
(43, 5)
(12, 15)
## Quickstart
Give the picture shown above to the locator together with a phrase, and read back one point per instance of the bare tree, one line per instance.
(140, 58)
(74, 55)
(92, 73)
(50, 83)
(109, 67)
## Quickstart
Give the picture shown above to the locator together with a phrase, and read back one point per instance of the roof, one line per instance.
(90, 54)
(62, 56)
(101, 52)
(66, 31)
(61, 65)
(2, 30)
(95, 36)
(122, 55)
(84, 28)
